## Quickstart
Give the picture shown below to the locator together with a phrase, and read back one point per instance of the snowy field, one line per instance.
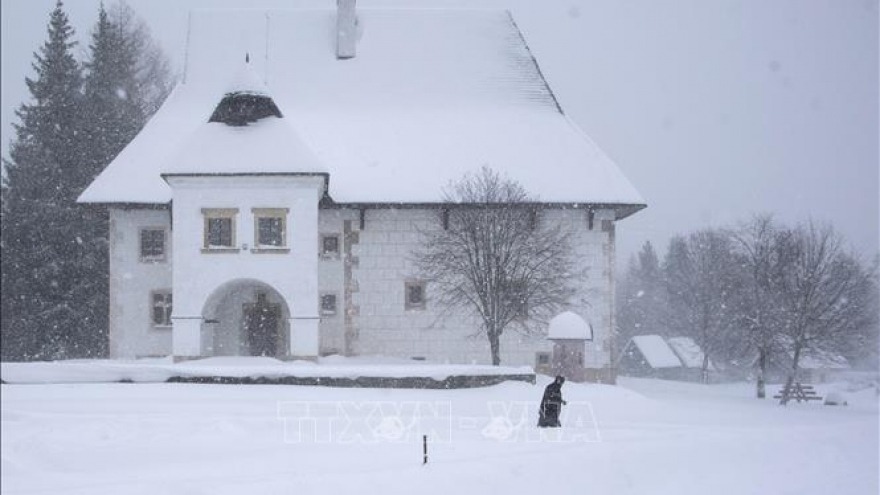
(642, 437)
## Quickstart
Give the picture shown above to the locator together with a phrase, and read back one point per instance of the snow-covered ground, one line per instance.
(161, 369)
(641, 437)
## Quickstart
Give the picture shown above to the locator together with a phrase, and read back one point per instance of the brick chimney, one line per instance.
(346, 29)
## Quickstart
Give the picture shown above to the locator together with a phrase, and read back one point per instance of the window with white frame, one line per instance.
(152, 245)
(328, 304)
(330, 245)
(415, 294)
(219, 232)
(270, 229)
(160, 302)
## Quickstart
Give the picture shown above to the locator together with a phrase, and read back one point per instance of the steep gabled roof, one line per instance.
(431, 95)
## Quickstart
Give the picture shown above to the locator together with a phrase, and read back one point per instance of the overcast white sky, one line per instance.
(715, 110)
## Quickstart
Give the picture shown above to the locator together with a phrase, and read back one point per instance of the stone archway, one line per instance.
(245, 317)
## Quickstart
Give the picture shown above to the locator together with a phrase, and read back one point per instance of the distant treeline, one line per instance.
(756, 295)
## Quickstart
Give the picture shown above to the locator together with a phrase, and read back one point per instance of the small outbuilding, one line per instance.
(649, 356)
(691, 356)
(653, 356)
(570, 334)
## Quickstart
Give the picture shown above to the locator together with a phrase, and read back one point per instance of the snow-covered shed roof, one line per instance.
(656, 351)
(688, 351)
(429, 96)
(568, 325)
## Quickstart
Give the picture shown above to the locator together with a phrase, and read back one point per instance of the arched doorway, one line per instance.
(245, 318)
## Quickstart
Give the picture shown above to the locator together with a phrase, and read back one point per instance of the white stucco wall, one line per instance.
(371, 279)
(331, 279)
(384, 326)
(293, 274)
(132, 333)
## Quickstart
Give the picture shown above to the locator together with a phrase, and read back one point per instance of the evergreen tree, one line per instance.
(642, 298)
(54, 296)
(39, 302)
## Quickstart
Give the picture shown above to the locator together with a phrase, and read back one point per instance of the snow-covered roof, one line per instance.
(430, 96)
(568, 325)
(223, 149)
(688, 351)
(656, 351)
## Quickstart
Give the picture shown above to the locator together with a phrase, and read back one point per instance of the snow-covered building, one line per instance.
(570, 335)
(674, 358)
(270, 206)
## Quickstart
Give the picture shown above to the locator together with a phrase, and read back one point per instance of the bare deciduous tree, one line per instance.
(496, 258)
(702, 283)
(826, 293)
(760, 244)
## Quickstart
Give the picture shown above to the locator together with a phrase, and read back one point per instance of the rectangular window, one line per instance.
(543, 358)
(330, 245)
(270, 229)
(270, 232)
(161, 305)
(328, 304)
(415, 295)
(152, 245)
(219, 234)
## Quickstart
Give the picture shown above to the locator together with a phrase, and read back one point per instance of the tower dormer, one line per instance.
(246, 100)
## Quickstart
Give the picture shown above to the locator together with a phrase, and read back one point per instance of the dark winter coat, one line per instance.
(551, 404)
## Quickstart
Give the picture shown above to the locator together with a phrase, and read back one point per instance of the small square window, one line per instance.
(543, 358)
(152, 245)
(330, 246)
(161, 308)
(328, 304)
(270, 229)
(219, 232)
(415, 295)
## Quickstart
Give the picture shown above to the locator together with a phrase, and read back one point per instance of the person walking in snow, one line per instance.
(551, 404)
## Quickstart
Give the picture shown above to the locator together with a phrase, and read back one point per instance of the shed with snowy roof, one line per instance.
(673, 358)
(279, 190)
(570, 335)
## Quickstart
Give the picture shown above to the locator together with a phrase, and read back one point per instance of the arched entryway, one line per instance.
(245, 318)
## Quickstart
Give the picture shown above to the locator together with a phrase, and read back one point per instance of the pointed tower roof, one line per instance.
(246, 101)
(246, 134)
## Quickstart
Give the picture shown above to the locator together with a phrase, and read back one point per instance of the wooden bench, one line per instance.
(798, 392)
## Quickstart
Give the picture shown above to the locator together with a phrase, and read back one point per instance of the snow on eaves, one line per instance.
(223, 149)
(430, 96)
